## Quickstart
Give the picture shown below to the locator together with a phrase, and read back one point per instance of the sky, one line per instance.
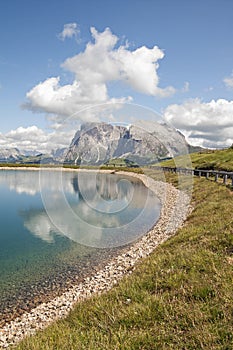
(63, 63)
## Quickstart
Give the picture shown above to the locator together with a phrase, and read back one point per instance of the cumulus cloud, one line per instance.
(33, 138)
(100, 63)
(207, 124)
(228, 81)
(69, 30)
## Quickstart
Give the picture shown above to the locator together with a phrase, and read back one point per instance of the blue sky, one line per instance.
(194, 86)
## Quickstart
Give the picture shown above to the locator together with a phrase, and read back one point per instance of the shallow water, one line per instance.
(56, 227)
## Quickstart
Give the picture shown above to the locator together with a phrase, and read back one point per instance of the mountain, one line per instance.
(59, 154)
(30, 153)
(10, 155)
(14, 155)
(143, 143)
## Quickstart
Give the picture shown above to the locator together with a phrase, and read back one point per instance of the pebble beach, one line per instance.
(174, 210)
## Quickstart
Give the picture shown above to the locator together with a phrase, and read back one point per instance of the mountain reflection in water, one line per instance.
(94, 209)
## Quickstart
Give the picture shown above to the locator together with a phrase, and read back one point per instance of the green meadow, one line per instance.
(207, 159)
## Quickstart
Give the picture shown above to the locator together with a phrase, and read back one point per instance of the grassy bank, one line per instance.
(210, 159)
(178, 298)
(70, 166)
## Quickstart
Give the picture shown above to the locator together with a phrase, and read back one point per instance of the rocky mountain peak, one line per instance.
(96, 143)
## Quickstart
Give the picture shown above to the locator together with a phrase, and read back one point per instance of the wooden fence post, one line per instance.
(225, 179)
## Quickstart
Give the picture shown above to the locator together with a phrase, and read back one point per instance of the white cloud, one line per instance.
(205, 124)
(228, 81)
(100, 63)
(33, 138)
(29, 134)
(69, 30)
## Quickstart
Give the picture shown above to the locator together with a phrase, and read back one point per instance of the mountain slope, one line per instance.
(221, 160)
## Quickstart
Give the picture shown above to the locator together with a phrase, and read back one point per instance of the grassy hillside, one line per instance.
(211, 159)
(178, 298)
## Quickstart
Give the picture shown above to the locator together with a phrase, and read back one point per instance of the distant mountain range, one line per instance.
(10, 155)
(97, 143)
(14, 155)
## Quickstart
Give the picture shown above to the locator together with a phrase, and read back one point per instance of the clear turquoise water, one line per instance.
(56, 227)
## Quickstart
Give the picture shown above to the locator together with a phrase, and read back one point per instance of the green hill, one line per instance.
(121, 162)
(208, 159)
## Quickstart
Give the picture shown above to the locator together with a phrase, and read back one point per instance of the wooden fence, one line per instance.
(224, 175)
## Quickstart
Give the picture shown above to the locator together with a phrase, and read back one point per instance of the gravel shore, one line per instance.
(175, 208)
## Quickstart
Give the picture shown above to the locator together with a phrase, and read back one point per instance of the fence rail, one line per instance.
(225, 175)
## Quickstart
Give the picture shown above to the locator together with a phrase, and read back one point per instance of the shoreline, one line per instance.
(174, 210)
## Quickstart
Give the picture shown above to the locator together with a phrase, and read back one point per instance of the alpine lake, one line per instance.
(59, 226)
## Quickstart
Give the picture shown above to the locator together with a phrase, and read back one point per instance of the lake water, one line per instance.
(58, 226)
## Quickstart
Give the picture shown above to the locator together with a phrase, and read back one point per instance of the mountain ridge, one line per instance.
(96, 143)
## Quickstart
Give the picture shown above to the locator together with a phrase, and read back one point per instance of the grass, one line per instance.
(180, 297)
(28, 165)
(18, 165)
(211, 160)
(71, 166)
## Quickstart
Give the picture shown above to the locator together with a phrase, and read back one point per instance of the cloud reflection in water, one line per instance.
(94, 209)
